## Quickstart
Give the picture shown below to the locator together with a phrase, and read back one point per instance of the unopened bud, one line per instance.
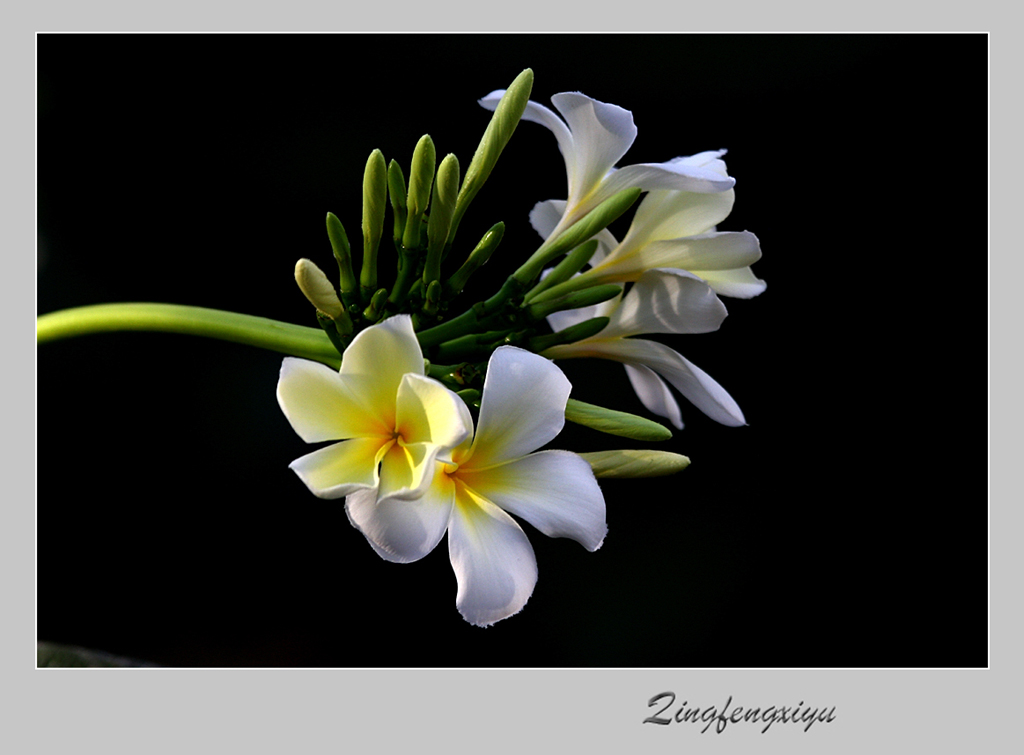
(317, 288)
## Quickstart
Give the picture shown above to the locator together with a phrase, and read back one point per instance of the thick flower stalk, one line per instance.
(592, 138)
(486, 478)
(661, 301)
(391, 420)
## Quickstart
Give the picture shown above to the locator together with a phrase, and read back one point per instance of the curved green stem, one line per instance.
(296, 340)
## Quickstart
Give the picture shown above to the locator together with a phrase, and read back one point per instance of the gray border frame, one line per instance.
(502, 711)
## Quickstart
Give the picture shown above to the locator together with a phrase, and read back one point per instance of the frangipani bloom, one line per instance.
(672, 229)
(592, 138)
(392, 421)
(661, 301)
(485, 479)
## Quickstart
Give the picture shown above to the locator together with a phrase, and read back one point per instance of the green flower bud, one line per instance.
(588, 297)
(574, 333)
(571, 264)
(343, 255)
(375, 191)
(421, 178)
(480, 254)
(397, 191)
(442, 205)
(613, 422)
(632, 462)
(499, 130)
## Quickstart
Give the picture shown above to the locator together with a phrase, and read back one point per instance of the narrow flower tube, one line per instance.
(391, 420)
(483, 481)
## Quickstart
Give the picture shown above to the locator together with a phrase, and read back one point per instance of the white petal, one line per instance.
(667, 301)
(741, 283)
(384, 353)
(555, 491)
(341, 468)
(544, 216)
(691, 381)
(521, 409)
(673, 175)
(601, 135)
(654, 394)
(403, 530)
(322, 405)
(493, 560)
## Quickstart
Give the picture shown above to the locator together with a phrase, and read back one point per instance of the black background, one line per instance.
(845, 526)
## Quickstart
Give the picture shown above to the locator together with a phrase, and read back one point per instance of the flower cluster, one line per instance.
(437, 415)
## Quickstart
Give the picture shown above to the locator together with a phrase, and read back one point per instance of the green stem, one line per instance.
(296, 340)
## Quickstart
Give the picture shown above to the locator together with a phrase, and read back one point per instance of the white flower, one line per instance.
(392, 420)
(484, 480)
(593, 137)
(661, 301)
(671, 229)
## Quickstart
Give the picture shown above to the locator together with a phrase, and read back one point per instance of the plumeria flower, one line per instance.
(392, 421)
(661, 301)
(485, 479)
(593, 137)
(672, 229)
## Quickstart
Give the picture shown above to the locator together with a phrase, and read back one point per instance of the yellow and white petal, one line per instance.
(709, 251)
(675, 214)
(321, 405)
(521, 409)
(666, 300)
(654, 394)
(493, 560)
(427, 412)
(740, 283)
(555, 491)
(341, 468)
(385, 353)
(400, 530)
(408, 469)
